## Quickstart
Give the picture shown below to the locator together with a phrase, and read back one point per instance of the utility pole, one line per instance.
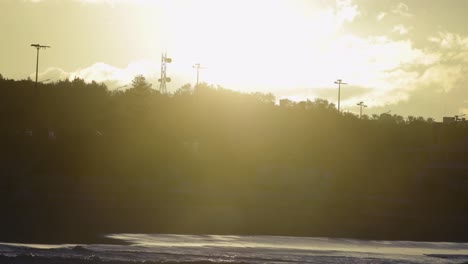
(38, 47)
(339, 82)
(361, 105)
(198, 67)
(164, 78)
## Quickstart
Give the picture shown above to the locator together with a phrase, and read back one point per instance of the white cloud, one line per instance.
(448, 40)
(381, 16)
(105, 73)
(401, 29)
(402, 9)
(101, 72)
(51, 74)
(346, 10)
(111, 3)
(444, 76)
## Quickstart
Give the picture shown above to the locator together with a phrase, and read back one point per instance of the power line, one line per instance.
(339, 82)
(38, 47)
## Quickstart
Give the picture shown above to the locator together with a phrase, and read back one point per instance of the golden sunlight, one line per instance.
(270, 48)
(233, 131)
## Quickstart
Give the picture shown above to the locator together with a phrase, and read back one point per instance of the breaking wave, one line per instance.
(148, 249)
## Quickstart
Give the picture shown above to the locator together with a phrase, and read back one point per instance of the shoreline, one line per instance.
(26, 259)
(103, 239)
(64, 239)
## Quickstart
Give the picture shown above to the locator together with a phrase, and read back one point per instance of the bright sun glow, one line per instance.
(270, 45)
(289, 48)
(261, 43)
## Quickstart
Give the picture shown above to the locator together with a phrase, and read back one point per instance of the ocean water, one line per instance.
(148, 248)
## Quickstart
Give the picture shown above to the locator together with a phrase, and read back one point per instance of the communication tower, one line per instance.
(164, 61)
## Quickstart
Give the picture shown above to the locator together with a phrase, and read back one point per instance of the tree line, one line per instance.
(138, 149)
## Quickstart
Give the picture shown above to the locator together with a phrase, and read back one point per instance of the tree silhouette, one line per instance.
(186, 89)
(139, 152)
(139, 83)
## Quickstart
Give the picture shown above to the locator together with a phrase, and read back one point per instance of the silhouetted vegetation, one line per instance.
(75, 155)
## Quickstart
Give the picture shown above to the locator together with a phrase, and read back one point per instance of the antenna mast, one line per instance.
(164, 78)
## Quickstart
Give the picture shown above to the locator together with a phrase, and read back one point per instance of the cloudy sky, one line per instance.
(409, 57)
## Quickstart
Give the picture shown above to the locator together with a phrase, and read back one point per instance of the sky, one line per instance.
(409, 57)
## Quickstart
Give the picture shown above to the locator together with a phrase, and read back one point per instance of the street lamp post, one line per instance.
(198, 67)
(361, 105)
(38, 47)
(339, 82)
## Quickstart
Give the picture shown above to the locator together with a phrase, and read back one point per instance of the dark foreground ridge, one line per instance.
(78, 161)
